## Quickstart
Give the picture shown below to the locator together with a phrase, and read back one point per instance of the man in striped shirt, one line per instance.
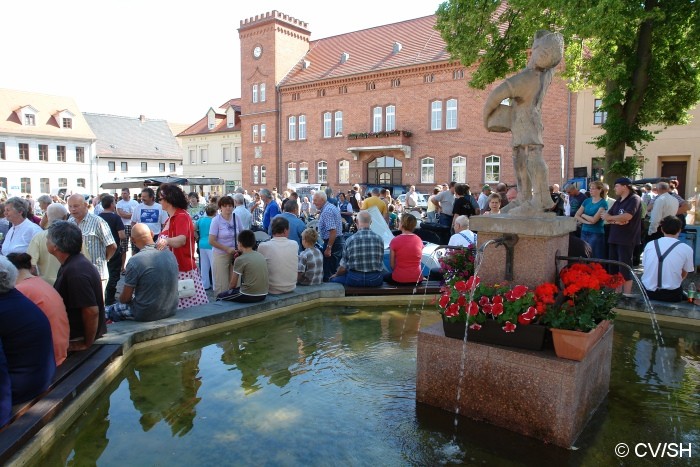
(330, 228)
(97, 237)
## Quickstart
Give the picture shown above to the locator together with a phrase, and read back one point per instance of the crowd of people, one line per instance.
(65, 275)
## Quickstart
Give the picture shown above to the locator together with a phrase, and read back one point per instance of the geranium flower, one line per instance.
(475, 326)
(509, 327)
(462, 300)
(444, 300)
(488, 308)
(497, 299)
(484, 300)
(461, 286)
(497, 309)
(522, 319)
(473, 282)
(518, 291)
(530, 313)
(473, 309)
(452, 310)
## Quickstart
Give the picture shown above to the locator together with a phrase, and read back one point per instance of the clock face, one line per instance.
(257, 51)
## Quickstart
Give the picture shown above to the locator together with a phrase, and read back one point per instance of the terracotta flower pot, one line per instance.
(575, 345)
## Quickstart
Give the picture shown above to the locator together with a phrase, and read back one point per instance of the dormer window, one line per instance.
(64, 118)
(230, 117)
(67, 123)
(27, 115)
(30, 120)
(211, 119)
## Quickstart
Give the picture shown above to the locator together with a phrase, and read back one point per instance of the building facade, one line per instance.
(674, 152)
(379, 106)
(45, 144)
(212, 147)
(132, 147)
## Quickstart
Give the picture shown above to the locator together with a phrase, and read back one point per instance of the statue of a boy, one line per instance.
(523, 118)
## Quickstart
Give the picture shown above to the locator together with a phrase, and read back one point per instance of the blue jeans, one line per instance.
(597, 242)
(360, 279)
(445, 219)
(330, 264)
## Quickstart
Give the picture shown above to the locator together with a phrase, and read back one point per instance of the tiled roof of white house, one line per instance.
(133, 138)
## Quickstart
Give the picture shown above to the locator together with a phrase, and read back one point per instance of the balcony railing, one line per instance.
(380, 134)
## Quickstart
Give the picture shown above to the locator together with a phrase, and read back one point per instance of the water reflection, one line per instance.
(166, 392)
(281, 390)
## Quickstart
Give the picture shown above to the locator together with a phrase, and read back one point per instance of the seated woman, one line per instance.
(25, 336)
(249, 281)
(47, 299)
(405, 252)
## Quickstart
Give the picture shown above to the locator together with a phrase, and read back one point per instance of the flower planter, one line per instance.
(574, 345)
(524, 337)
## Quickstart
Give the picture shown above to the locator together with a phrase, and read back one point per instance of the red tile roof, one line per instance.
(201, 127)
(371, 50)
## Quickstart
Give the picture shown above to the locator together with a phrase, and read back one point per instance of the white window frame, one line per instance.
(263, 96)
(263, 132)
(343, 171)
(203, 155)
(459, 169)
(303, 172)
(599, 117)
(292, 128)
(256, 175)
(436, 115)
(390, 118)
(291, 172)
(111, 166)
(377, 119)
(255, 94)
(451, 114)
(327, 130)
(263, 174)
(161, 167)
(321, 172)
(338, 123)
(491, 175)
(255, 133)
(302, 127)
(427, 170)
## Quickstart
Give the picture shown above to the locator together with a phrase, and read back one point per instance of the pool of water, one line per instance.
(336, 386)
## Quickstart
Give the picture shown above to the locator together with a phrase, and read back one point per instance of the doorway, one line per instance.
(384, 171)
(676, 169)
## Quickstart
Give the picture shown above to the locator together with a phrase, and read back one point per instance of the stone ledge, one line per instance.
(534, 227)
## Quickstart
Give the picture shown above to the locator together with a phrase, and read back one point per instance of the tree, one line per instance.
(641, 57)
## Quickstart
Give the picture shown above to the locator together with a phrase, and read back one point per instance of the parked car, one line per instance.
(422, 200)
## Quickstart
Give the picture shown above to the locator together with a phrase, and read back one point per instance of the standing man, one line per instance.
(355, 198)
(576, 198)
(411, 199)
(484, 198)
(114, 265)
(150, 213)
(664, 205)
(79, 285)
(445, 201)
(241, 212)
(330, 228)
(271, 208)
(624, 218)
(296, 225)
(97, 237)
(125, 209)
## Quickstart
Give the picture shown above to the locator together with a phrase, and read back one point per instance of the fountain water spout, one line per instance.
(508, 241)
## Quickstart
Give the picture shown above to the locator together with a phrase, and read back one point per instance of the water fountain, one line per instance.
(530, 392)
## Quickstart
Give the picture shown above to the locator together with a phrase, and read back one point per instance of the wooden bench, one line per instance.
(429, 287)
(75, 374)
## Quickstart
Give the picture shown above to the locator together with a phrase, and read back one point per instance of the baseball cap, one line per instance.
(623, 181)
(485, 187)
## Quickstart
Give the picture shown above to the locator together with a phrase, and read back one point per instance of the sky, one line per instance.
(156, 57)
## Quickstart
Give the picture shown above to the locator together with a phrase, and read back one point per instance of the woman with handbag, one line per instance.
(223, 234)
(178, 235)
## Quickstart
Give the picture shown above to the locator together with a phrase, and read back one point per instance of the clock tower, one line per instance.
(271, 45)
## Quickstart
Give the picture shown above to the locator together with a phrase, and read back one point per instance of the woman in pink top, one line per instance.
(47, 299)
(405, 252)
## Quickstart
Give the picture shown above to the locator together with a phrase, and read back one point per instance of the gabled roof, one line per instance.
(133, 138)
(201, 127)
(46, 107)
(371, 50)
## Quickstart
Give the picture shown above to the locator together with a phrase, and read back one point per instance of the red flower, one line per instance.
(473, 309)
(462, 300)
(523, 320)
(488, 308)
(497, 309)
(475, 326)
(530, 313)
(497, 299)
(473, 282)
(509, 327)
(518, 291)
(444, 300)
(484, 300)
(452, 310)
(461, 286)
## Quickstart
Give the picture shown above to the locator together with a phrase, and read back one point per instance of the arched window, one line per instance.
(292, 172)
(427, 170)
(344, 172)
(302, 126)
(459, 169)
(451, 114)
(492, 169)
(322, 172)
(303, 172)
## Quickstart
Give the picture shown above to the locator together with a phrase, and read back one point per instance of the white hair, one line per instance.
(8, 275)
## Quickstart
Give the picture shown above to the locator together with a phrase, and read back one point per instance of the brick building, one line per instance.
(383, 105)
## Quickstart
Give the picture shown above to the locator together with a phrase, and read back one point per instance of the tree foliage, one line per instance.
(641, 57)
